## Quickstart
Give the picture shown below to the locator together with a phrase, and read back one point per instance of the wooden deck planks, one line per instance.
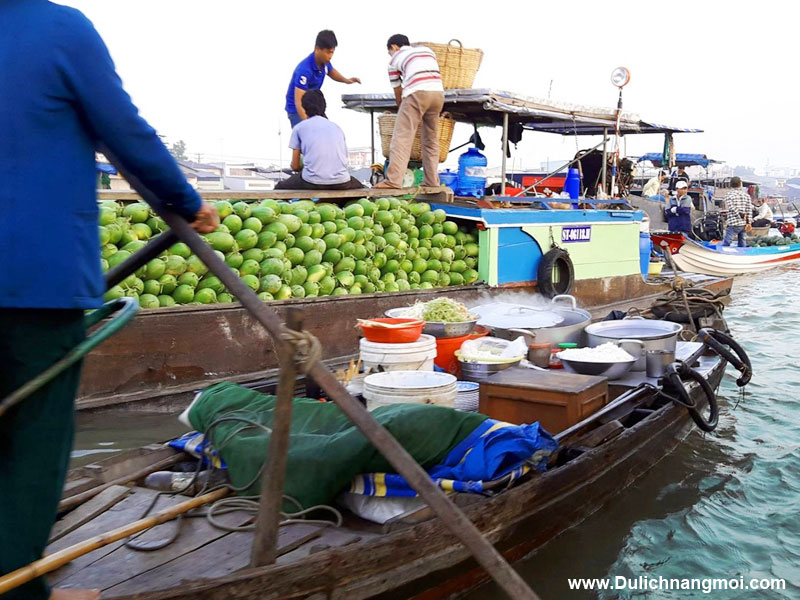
(127, 511)
(88, 511)
(221, 557)
(124, 563)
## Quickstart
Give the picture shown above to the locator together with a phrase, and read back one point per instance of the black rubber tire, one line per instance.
(555, 261)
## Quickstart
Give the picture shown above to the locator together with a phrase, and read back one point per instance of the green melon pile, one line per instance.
(300, 249)
(762, 241)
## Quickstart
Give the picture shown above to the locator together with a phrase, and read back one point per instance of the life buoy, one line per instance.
(556, 274)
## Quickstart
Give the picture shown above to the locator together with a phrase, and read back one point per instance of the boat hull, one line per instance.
(163, 356)
(426, 562)
(727, 261)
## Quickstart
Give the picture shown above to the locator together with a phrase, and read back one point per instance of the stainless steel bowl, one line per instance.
(612, 370)
(436, 328)
(479, 371)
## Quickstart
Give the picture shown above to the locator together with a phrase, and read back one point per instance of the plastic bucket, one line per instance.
(410, 387)
(414, 356)
(446, 349)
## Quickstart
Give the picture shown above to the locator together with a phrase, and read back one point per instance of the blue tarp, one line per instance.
(106, 168)
(685, 160)
(493, 450)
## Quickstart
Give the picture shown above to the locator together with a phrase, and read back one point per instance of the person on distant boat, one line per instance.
(764, 216)
(679, 210)
(310, 75)
(60, 99)
(653, 185)
(679, 175)
(324, 150)
(417, 82)
(738, 213)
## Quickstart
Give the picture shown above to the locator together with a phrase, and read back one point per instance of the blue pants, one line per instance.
(737, 231)
(294, 118)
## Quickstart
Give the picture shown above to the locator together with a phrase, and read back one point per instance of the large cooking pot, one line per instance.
(656, 335)
(567, 323)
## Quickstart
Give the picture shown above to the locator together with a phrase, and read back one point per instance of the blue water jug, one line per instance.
(471, 174)
(572, 184)
(449, 179)
(645, 247)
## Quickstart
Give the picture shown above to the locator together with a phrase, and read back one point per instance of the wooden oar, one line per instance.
(54, 561)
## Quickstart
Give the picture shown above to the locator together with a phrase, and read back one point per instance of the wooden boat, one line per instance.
(725, 261)
(166, 354)
(413, 556)
(163, 356)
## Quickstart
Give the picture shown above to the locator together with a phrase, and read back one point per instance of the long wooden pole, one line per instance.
(54, 561)
(483, 551)
(265, 540)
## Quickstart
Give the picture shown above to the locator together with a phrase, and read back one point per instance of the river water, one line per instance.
(723, 505)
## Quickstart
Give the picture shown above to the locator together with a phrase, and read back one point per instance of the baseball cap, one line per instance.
(681, 185)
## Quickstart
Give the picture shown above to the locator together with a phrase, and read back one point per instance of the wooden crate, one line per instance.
(557, 400)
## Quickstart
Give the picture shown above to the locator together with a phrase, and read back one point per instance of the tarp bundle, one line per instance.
(325, 450)
(492, 451)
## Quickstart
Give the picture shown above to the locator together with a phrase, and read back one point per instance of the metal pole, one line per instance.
(605, 162)
(372, 134)
(505, 152)
(265, 539)
(454, 519)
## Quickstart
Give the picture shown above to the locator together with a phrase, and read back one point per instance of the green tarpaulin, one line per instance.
(325, 450)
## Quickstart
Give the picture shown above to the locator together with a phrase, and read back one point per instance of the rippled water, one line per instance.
(723, 505)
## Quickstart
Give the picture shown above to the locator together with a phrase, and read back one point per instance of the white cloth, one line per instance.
(764, 212)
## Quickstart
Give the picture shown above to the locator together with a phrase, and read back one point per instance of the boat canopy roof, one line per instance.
(488, 107)
(681, 160)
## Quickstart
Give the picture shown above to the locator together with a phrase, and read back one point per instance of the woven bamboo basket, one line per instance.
(457, 64)
(386, 128)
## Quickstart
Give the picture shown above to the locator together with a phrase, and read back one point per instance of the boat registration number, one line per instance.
(576, 234)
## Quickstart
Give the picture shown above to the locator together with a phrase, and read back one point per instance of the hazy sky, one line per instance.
(215, 73)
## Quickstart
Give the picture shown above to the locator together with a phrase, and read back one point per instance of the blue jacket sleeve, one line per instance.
(113, 119)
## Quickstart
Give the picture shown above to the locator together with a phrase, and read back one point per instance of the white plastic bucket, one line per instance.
(414, 387)
(415, 356)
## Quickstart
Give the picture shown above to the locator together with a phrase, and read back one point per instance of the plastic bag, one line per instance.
(491, 349)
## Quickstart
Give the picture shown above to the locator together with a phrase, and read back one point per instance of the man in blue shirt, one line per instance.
(323, 148)
(310, 74)
(60, 97)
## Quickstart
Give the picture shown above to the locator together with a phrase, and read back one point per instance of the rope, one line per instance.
(307, 348)
(250, 504)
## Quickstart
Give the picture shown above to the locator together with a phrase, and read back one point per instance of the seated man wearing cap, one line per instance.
(679, 210)
(764, 216)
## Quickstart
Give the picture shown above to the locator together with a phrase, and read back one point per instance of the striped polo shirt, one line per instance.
(416, 69)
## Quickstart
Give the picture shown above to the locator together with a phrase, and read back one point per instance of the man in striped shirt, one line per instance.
(739, 209)
(417, 82)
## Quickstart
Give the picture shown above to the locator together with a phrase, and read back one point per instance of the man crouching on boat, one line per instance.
(59, 98)
(679, 210)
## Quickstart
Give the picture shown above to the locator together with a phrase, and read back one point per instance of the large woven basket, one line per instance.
(386, 127)
(457, 64)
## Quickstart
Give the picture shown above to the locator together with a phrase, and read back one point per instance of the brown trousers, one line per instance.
(423, 108)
